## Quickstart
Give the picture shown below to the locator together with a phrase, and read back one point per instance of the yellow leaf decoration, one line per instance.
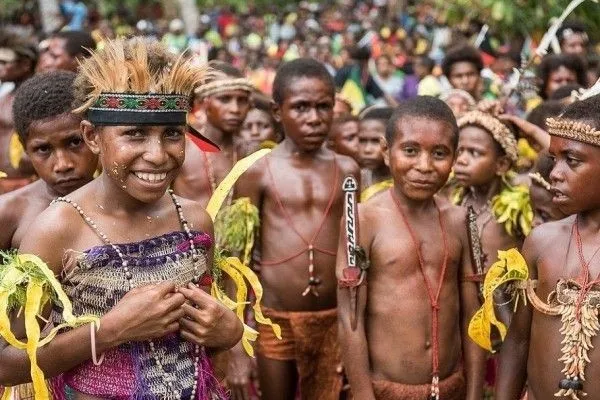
(512, 207)
(511, 266)
(26, 281)
(15, 150)
(235, 228)
(243, 233)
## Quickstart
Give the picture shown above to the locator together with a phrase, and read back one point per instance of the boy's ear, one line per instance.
(384, 148)
(503, 165)
(90, 136)
(276, 111)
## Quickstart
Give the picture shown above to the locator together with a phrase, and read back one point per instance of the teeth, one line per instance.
(145, 176)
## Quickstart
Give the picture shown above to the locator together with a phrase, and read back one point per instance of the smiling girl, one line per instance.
(127, 250)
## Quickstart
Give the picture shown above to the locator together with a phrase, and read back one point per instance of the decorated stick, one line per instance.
(353, 275)
(475, 245)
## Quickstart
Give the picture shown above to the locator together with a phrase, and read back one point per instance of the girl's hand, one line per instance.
(208, 322)
(146, 312)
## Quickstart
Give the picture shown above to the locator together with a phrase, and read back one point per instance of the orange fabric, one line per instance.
(310, 338)
(451, 388)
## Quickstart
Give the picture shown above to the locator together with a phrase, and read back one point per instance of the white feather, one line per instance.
(587, 93)
(542, 49)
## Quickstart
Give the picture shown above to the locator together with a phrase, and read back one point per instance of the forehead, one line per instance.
(346, 127)
(425, 132)
(473, 134)
(560, 145)
(257, 114)
(54, 128)
(57, 44)
(231, 93)
(463, 67)
(309, 89)
(562, 71)
(370, 127)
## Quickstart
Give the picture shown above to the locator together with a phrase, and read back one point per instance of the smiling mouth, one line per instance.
(558, 196)
(151, 177)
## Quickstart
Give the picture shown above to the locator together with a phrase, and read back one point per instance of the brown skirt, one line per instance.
(451, 388)
(309, 338)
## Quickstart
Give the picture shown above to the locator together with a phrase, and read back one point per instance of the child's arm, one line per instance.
(474, 357)
(353, 343)
(143, 313)
(512, 369)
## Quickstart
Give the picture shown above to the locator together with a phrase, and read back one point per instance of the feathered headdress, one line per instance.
(137, 82)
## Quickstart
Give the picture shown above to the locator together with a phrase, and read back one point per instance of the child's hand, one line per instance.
(239, 372)
(208, 322)
(144, 313)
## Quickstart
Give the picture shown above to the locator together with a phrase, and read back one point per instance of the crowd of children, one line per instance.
(374, 236)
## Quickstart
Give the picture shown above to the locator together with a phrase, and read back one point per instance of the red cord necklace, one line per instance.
(433, 298)
(584, 273)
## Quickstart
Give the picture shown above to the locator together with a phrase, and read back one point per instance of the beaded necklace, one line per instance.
(169, 379)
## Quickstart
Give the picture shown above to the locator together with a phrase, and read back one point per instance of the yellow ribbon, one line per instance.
(511, 266)
(15, 150)
(376, 188)
(30, 270)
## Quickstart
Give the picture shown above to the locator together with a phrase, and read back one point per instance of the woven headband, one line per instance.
(497, 129)
(224, 85)
(116, 109)
(574, 130)
(139, 109)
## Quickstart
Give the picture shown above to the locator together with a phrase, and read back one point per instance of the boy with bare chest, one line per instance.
(551, 338)
(409, 340)
(297, 189)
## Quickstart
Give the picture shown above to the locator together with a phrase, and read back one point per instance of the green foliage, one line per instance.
(518, 17)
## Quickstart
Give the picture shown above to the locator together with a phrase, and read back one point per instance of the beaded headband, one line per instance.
(224, 85)
(139, 109)
(496, 128)
(539, 179)
(574, 130)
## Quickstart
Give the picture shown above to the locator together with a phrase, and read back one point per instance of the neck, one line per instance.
(289, 147)
(48, 193)
(412, 206)
(482, 193)
(589, 221)
(223, 139)
(380, 174)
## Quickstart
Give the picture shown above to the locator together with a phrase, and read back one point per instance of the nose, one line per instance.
(556, 174)
(64, 162)
(313, 117)
(254, 131)
(155, 152)
(423, 164)
(461, 158)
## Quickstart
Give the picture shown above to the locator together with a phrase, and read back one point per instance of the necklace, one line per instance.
(433, 298)
(169, 378)
(212, 179)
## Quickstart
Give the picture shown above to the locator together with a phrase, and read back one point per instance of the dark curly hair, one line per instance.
(42, 96)
(463, 53)
(299, 68)
(553, 62)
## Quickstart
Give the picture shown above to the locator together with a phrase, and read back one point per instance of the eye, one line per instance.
(572, 162)
(325, 107)
(410, 151)
(475, 153)
(43, 150)
(135, 133)
(174, 134)
(440, 154)
(224, 99)
(302, 108)
(75, 142)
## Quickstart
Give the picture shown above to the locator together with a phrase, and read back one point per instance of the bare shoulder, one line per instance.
(52, 233)
(544, 237)
(15, 205)
(455, 216)
(348, 166)
(196, 215)
(372, 213)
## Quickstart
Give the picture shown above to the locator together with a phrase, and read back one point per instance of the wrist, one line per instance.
(107, 336)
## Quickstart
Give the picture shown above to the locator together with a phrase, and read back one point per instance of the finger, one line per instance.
(175, 315)
(190, 337)
(164, 288)
(197, 295)
(193, 327)
(192, 312)
(172, 328)
(175, 300)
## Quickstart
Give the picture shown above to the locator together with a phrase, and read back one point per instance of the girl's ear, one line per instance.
(503, 165)
(384, 148)
(276, 111)
(90, 136)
